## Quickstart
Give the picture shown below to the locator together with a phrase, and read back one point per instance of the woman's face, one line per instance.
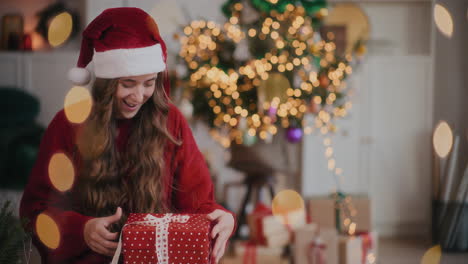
(132, 92)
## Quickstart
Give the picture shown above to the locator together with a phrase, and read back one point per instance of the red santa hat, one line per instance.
(120, 42)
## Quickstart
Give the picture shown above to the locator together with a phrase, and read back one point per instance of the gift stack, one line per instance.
(165, 238)
(338, 232)
(269, 235)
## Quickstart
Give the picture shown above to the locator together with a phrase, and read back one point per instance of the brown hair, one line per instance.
(134, 179)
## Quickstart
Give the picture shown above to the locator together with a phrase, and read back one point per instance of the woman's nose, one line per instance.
(139, 93)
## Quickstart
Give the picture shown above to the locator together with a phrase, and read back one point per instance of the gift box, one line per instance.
(369, 247)
(358, 208)
(321, 210)
(314, 246)
(255, 222)
(259, 260)
(273, 231)
(251, 253)
(165, 238)
(284, 223)
(277, 240)
(350, 249)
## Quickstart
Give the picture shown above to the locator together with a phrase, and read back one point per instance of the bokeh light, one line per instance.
(60, 29)
(61, 172)
(288, 207)
(353, 17)
(78, 104)
(443, 20)
(47, 231)
(432, 256)
(352, 228)
(442, 139)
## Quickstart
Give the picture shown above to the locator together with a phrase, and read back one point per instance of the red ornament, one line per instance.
(27, 42)
(324, 81)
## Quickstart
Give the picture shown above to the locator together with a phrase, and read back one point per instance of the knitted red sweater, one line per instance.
(185, 166)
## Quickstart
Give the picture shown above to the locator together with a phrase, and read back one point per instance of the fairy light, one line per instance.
(279, 44)
(201, 42)
(296, 61)
(188, 30)
(233, 20)
(274, 35)
(297, 93)
(324, 130)
(233, 122)
(210, 24)
(274, 59)
(352, 229)
(275, 25)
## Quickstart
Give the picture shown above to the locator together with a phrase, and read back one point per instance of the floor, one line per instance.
(411, 251)
(391, 251)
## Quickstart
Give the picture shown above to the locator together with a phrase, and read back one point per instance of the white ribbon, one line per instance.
(162, 229)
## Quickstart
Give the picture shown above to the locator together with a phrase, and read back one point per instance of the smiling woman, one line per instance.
(133, 153)
(132, 93)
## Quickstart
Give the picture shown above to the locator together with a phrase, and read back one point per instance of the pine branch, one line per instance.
(11, 235)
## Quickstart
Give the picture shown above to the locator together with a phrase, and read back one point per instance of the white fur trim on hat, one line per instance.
(79, 76)
(128, 62)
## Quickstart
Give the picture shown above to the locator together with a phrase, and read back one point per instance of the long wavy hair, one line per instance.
(134, 178)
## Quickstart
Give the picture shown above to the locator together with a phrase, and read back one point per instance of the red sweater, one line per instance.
(184, 164)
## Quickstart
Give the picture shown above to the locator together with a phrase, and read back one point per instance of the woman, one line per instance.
(134, 154)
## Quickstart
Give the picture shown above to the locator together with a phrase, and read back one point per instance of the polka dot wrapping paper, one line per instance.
(167, 239)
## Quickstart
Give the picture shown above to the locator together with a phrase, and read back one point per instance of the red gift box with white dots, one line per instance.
(167, 239)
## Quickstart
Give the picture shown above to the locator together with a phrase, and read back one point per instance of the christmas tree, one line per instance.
(270, 66)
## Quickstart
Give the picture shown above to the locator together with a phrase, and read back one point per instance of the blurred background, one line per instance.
(346, 118)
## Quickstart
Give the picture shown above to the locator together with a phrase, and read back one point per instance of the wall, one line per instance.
(450, 74)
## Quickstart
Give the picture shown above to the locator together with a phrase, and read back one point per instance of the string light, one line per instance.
(204, 40)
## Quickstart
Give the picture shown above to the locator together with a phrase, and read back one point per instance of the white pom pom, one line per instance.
(79, 76)
(186, 108)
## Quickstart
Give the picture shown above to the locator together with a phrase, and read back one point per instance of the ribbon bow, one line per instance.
(161, 234)
(316, 252)
(367, 245)
(250, 254)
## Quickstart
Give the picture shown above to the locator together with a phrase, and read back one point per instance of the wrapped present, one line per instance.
(321, 210)
(316, 252)
(279, 239)
(273, 231)
(287, 222)
(369, 247)
(260, 260)
(340, 211)
(251, 253)
(314, 246)
(359, 208)
(255, 222)
(165, 238)
(350, 249)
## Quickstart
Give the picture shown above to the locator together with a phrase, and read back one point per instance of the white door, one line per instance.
(399, 160)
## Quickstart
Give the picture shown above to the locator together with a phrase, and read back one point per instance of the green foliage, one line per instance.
(11, 235)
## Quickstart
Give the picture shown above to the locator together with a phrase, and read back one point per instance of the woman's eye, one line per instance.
(150, 84)
(127, 85)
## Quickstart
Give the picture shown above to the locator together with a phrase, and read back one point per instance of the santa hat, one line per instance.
(120, 42)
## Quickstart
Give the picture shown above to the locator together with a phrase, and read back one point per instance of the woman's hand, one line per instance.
(98, 237)
(221, 231)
